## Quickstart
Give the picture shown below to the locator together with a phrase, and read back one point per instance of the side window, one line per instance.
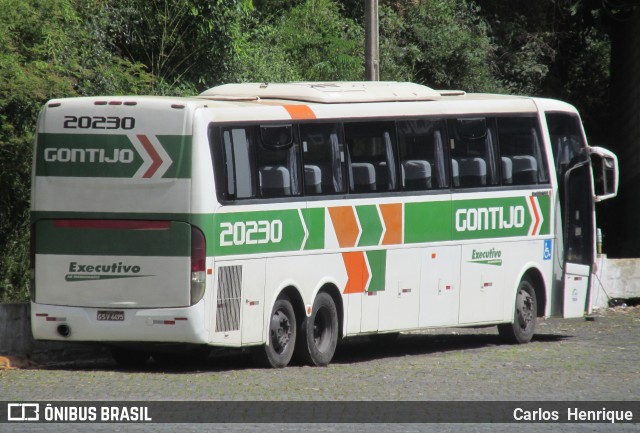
(233, 163)
(522, 154)
(473, 152)
(323, 156)
(278, 161)
(372, 164)
(421, 153)
(567, 142)
(255, 161)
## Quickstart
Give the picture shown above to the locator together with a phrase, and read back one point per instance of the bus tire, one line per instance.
(282, 336)
(129, 359)
(524, 317)
(319, 332)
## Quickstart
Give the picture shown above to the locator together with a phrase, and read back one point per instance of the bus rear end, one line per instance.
(116, 256)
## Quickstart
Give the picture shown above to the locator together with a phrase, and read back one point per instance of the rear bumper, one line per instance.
(162, 325)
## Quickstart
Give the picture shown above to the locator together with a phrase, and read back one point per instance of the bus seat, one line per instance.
(364, 177)
(382, 176)
(473, 172)
(275, 181)
(416, 174)
(455, 172)
(312, 179)
(507, 170)
(525, 170)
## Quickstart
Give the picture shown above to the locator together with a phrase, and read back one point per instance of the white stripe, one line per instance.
(166, 160)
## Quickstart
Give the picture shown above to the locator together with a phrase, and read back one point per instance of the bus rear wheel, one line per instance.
(319, 332)
(282, 336)
(524, 318)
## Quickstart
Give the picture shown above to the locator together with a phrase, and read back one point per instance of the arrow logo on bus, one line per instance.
(156, 161)
(536, 216)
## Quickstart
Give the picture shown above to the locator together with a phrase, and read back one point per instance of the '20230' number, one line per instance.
(99, 122)
(250, 233)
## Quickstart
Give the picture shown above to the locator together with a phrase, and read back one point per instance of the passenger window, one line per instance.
(323, 156)
(473, 152)
(372, 164)
(278, 162)
(523, 158)
(233, 163)
(256, 161)
(422, 157)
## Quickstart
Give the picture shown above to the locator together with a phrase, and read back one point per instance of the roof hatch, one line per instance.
(327, 92)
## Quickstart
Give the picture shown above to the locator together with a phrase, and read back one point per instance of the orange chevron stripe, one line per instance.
(300, 112)
(357, 272)
(345, 225)
(392, 216)
(534, 206)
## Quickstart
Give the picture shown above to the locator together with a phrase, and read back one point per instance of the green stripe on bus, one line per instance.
(239, 233)
(172, 242)
(314, 220)
(494, 218)
(370, 225)
(377, 260)
(109, 155)
(427, 222)
(258, 232)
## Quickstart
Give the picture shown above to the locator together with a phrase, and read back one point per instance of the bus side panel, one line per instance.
(239, 299)
(482, 290)
(440, 286)
(400, 301)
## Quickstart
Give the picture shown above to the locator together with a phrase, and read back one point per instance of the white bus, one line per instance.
(283, 217)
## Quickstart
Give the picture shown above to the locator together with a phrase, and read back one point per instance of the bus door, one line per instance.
(575, 193)
(579, 225)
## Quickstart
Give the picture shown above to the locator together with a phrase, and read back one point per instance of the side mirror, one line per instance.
(604, 164)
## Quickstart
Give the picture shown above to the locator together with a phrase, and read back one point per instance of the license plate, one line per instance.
(112, 316)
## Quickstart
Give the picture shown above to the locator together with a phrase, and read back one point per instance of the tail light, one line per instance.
(198, 265)
(32, 264)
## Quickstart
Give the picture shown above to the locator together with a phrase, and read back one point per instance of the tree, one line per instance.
(554, 48)
(311, 41)
(185, 45)
(40, 58)
(442, 44)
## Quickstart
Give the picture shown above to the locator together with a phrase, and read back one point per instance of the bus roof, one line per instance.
(327, 92)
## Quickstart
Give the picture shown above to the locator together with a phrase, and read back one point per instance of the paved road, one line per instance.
(568, 360)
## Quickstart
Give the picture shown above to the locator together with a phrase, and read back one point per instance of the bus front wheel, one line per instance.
(282, 336)
(524, 318)
(319, 332)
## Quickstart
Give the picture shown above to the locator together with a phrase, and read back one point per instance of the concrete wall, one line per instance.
(615, 279)
(16, 339)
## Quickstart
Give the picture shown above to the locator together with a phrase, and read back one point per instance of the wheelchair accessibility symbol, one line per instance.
(547, 250)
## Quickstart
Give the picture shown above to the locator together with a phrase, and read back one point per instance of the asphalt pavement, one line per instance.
(574, 360)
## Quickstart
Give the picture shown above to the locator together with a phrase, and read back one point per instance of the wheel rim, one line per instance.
(525, 308)
(280, 331)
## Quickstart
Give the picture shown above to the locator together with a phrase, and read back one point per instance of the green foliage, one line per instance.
(41, 58)
(311, 41)
(554, 48)
(442, 44)
(185, 45)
